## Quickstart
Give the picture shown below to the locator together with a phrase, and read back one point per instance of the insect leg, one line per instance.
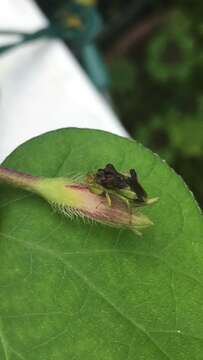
(108, 198)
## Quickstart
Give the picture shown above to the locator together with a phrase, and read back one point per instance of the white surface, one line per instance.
(41, 85)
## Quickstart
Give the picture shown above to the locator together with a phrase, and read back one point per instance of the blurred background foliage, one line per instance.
(154, 56)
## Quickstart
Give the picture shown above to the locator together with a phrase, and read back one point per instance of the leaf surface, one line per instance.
(84, 291)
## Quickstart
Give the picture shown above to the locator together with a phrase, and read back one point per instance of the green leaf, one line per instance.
(83, 291)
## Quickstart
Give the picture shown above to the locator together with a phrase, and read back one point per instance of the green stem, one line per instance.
(19, 179)
(12, 32)
(25, 37)
(52, 189)
(51, 31)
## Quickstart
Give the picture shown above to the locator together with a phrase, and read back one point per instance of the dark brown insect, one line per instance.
(110, 178)
(136, 187)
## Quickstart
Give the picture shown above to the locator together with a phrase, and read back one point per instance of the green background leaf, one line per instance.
(78, 291)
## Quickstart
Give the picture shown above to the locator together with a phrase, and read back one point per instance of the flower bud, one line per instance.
(82, 199)
(78, 199)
